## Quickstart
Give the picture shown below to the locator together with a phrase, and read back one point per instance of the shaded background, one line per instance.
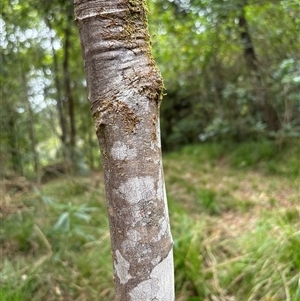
(231, 71)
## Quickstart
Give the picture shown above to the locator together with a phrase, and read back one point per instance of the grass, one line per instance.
(234, 213)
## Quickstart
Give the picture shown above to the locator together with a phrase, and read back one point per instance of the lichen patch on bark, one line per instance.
(163, 226)
(120, 151)
(133, 238)
(122, 267)
(158, 286)
(166, 279)
(137, 189)
(145, 291)
(156, 260)
(160, 185)
(133, 235)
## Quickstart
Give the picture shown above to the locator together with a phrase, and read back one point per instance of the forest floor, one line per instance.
(234, 212)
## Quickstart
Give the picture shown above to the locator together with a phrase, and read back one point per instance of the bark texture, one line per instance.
(125, 89)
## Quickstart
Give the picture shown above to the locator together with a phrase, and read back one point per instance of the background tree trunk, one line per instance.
(13, 143)
(125, 88)
(32, 135)
(59, 101)
(269, 114)
(68, 95)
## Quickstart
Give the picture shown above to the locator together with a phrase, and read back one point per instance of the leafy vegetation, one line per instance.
(235, 228)
(217, 89)
(214, 93)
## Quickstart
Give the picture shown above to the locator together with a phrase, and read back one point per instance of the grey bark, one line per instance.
(124, 90)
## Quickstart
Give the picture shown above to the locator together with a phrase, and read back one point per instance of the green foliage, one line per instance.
(71, 217)
(207, 199)
(252, 153)
(42, 198)
(50, 235)
(16, 287)
(11, 294)
(265, 155)
(210, 92)
(20, 230)
(187, 253)
(268, 244)
(236, 258)
(282, 160)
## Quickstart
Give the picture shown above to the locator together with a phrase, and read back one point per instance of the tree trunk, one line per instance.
(32, 135)
(16, 159)
(269, 114)
(125, 88)
(68, 94)
(59, 101)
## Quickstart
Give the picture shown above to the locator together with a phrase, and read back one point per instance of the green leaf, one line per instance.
(83, 216)
(63, 223)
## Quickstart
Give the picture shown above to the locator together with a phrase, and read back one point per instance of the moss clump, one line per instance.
(110, 110)
(136, 22)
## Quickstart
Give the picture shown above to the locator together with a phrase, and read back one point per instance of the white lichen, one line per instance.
(160, 186)
(120, 151)
(158, 134)
(160, 286)
(164, 272)
(152, 145)
(145, 291)
(166, 202)
(137, 189)
(122, 266)
(156, 260)
(163, 228)
(136, 215)
(133, 237)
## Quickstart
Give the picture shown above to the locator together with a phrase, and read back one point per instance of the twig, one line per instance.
(214, 271)
(98, 242)
(286, 287)
(224, 263)
(43, 238)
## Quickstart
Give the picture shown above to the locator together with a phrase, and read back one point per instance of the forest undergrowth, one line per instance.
(234, 211)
